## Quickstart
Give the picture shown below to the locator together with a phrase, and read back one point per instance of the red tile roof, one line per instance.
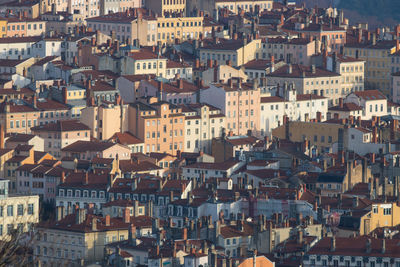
(62, 126)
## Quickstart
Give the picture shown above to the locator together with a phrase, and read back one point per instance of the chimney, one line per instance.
(2, 136)
(86, 177)
(333, 244)
(64, 95)
(383, 245)
(300, 237)
(197, 63)
(180, 83)
(94, 224)
(319, 116)
(108, 220)
(209, 63)
(34, 101)
(127, 215)
(368, 246)
(313, 69)
(355, 202)
(184, 233)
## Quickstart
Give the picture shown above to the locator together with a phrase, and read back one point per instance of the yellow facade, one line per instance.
(183, 28)
(377, 66)
(3, 28)
(318, 134)
(381, 215)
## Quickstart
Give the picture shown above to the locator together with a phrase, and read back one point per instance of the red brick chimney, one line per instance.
(108, 220)
(180, 84)
(65, 95)
(341, 102)
(184, 233)
(319, 116)
(1, 136)
(127, 215)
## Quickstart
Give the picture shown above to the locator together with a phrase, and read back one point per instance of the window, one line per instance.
(387, 211)
(20, 209)
(10, 211)
(30, 209)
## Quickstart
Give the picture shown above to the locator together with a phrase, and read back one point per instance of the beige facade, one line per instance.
(247, 6)
(351, 70)
(309, 80)
(74, 248)
(202, 124)
(17, 212)
(163, 7)
(237, 51)
(105, 120)
(378, 63)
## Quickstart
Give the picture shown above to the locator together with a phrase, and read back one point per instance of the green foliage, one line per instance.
(379, 8)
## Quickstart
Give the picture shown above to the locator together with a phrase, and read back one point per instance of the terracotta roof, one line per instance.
(19, 137)
(135, 166)
(83, 146)
(347, 107)
(214, 166)
(78, 180)
(370, 95)
(223, 44)
(233, 231)
(356, 246)
(27, 39)
(62, 126)
(300, 71)
(126, 138)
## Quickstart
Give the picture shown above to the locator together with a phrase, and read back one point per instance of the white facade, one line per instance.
(295, 107)
(373, 102)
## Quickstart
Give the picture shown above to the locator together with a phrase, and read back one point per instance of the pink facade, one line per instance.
(239, 102)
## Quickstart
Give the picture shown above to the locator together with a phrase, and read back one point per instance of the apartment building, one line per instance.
(258, 68)
(373, 103)
(18, 212)
(170, 29)
(240, 102)
(203, 122)
(106, 119)
(291, 51)
(40, 179)
(237, 51)
(88, 150)
(309, 80)
(59, 134)
(62, 22)
(16, 47)
(351, 69)
(396, 87)
(247, 6)
(353, 251)
(108, 6)
(377, 55)
(293, 106)
(29, 9)
(166, 8)
(132, 26)
(319, 134)
(20, 27)
(161, 125)
(77, 238)
(175, 92)
(331, 35)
